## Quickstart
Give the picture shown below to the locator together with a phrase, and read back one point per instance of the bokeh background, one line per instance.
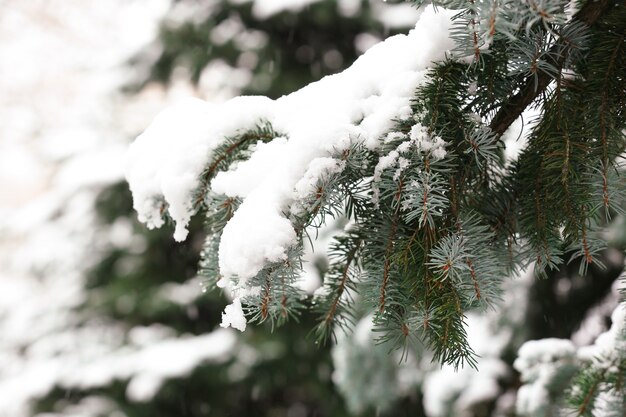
(101, 317)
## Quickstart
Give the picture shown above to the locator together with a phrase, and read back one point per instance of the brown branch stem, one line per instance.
(535, 84)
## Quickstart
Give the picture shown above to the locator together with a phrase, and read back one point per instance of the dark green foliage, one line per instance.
(336, 305)
(571, 156)
(125, 284)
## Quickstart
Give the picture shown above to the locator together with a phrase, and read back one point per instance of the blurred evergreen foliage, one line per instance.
(292, 375)
(290, 49)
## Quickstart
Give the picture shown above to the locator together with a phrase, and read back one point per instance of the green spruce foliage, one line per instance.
(433, 236)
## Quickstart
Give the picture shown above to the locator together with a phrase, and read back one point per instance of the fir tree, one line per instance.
(436, 215)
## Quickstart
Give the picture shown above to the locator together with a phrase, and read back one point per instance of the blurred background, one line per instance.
(101, 317)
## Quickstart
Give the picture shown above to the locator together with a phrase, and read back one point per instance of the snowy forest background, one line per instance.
(101, 317)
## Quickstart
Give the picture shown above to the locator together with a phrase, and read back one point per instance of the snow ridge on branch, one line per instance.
(165, 163)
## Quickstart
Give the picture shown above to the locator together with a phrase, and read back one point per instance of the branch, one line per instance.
(210, 172)
(342, 286)
(534, 85)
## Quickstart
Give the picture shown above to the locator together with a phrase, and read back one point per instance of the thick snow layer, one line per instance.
(326, 117)
(179, 147)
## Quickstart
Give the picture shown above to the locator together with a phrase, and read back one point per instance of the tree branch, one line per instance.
(534, 85)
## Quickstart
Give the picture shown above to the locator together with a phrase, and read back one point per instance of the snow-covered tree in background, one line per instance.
(264, 46)
(408, 146)
(121, 326)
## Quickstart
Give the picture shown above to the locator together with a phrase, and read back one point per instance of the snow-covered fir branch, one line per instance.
(407, 144)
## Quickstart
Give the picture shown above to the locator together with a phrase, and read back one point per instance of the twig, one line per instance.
(535, 84)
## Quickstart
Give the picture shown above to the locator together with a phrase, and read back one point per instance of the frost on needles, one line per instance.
(407, 146)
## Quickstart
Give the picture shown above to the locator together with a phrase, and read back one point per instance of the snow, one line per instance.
(318, 121)
(349, 8)
(540, 361)
(55, 69)
(462, 389)
(536, 352)
(186, 121)
(364, 41)
(420, 141)
(434, 146)
(248, 174)
(160, 360)
(179, 147)
(610, 343)
(63, 138)
(385, 162)
(516, 136)
(183, 294)
(256, 234)
(233, 316)
(594, 322)
(320, 169)
(537, 362)
(395, 15)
